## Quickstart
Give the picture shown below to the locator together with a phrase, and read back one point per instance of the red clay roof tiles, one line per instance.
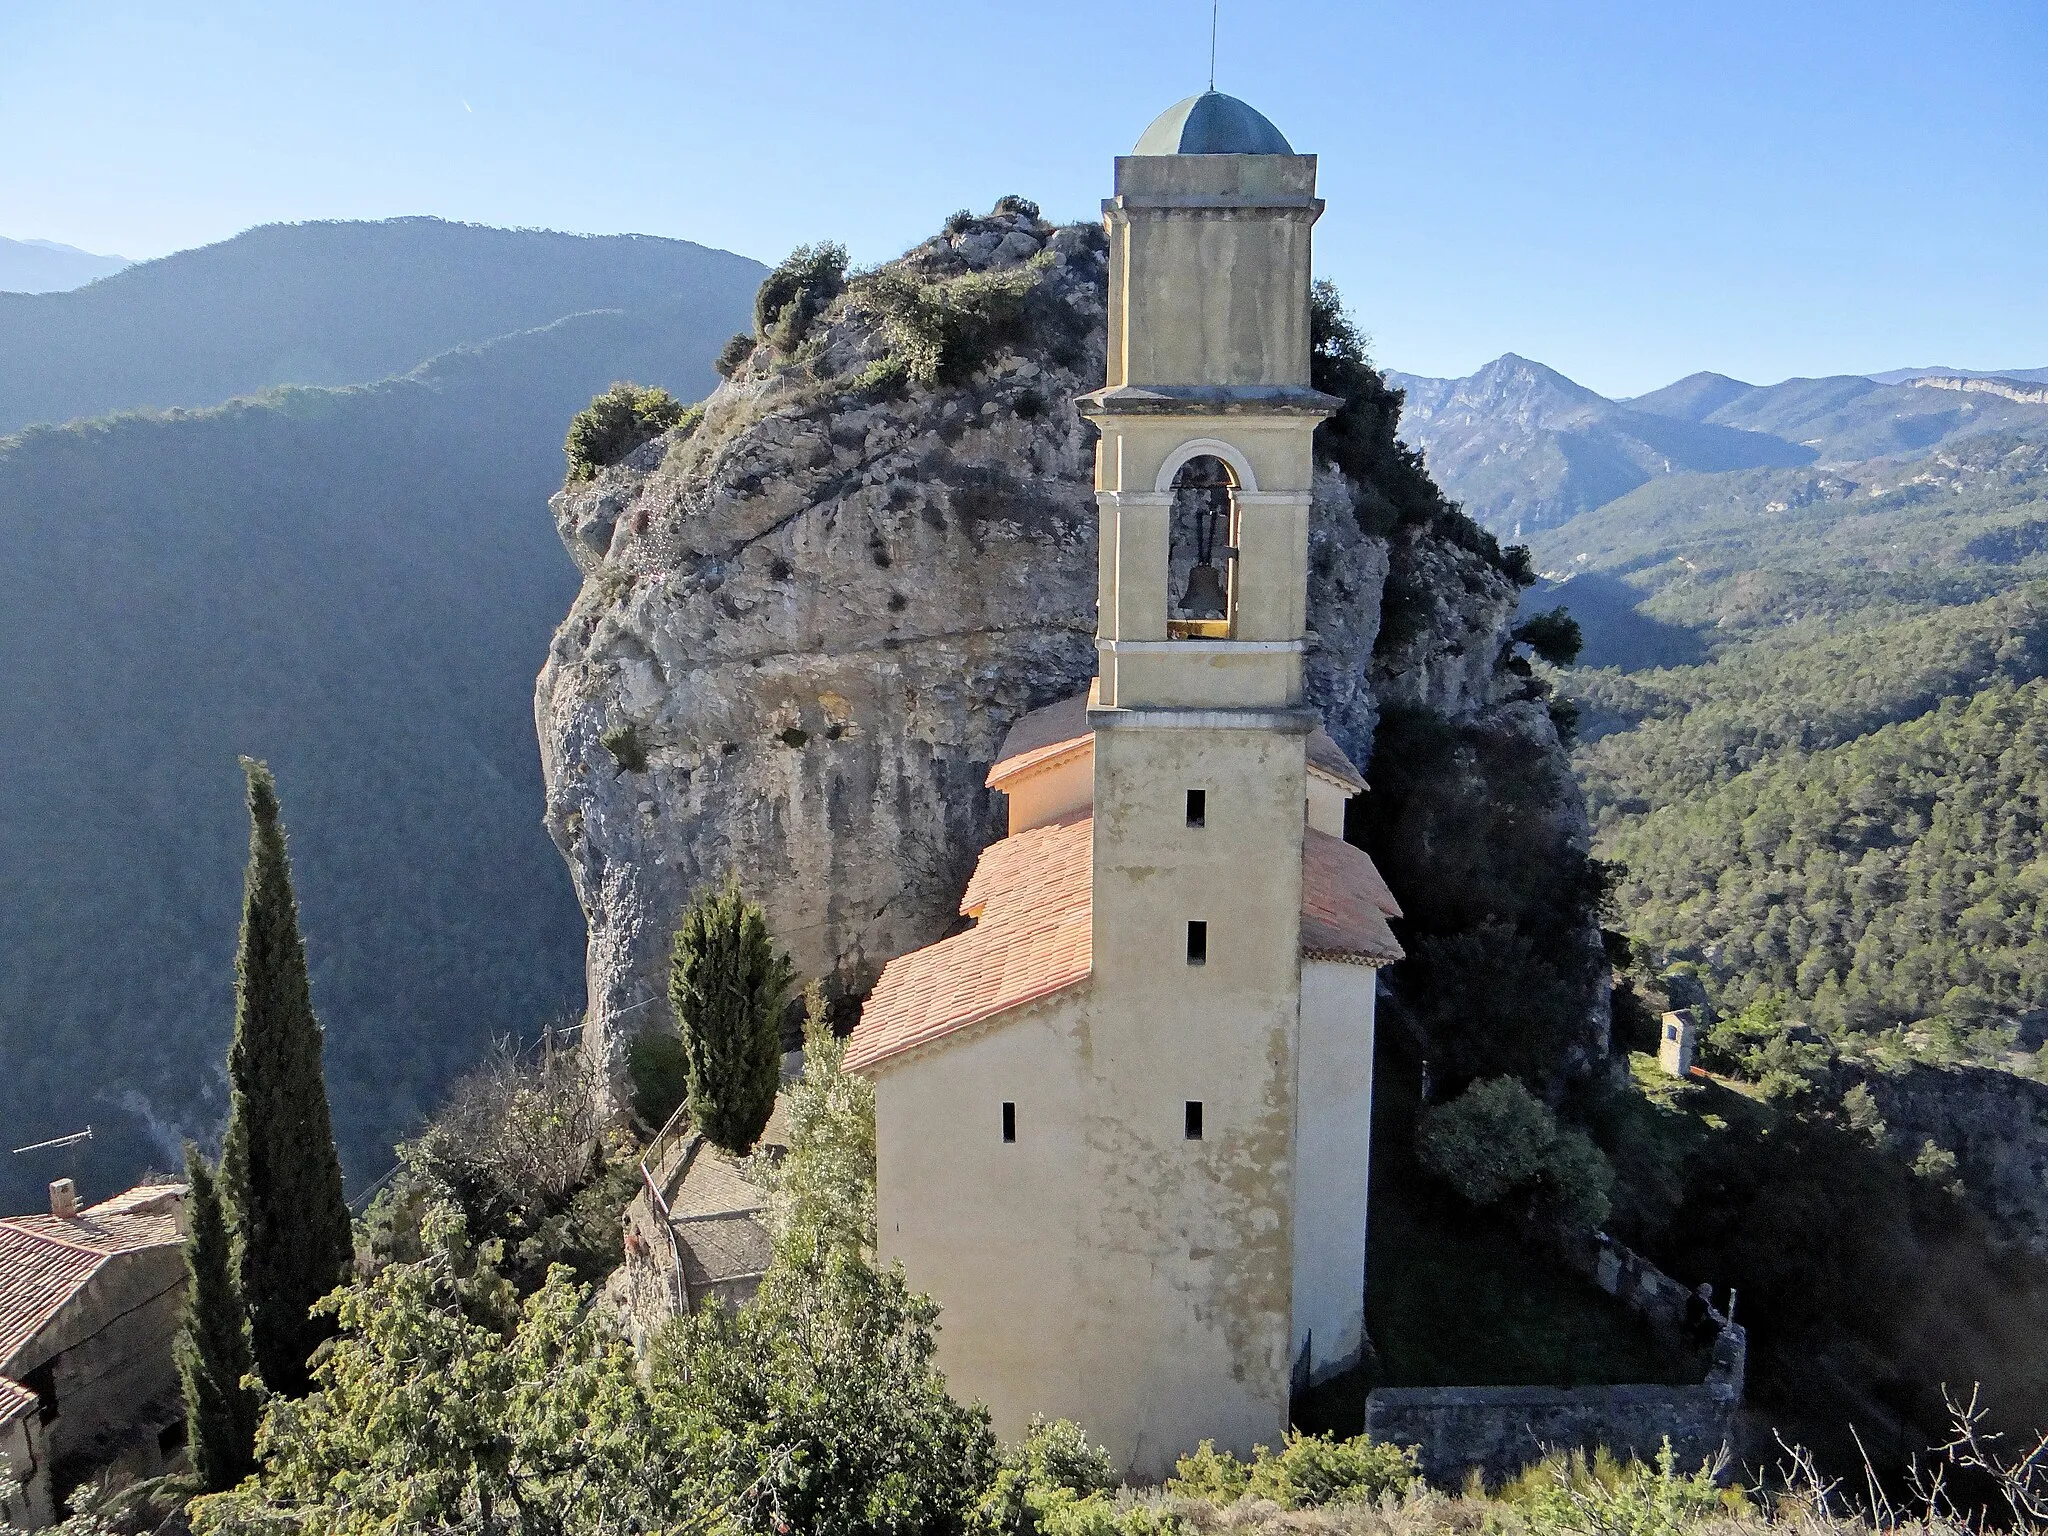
(1033, 899)
(1034, 936)
(44, 1260)
(1344, 903)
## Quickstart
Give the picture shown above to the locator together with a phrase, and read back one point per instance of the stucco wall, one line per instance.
(1333, 1140)
(25, 1448)
(111, 1346)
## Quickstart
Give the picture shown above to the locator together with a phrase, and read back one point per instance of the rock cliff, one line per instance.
(810, 612)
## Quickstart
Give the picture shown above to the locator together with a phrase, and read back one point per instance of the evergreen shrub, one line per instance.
(796, 293)
(1497, 1139)
(941, 330)
(1308, 1472)
(615, 423)
(735, 352)
(727, 985)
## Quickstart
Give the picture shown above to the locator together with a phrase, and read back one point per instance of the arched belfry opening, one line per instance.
(1201, 550)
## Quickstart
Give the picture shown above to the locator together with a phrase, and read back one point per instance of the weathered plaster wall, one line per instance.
(1333, 1145)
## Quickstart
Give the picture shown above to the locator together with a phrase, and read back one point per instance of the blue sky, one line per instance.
(1628, 192)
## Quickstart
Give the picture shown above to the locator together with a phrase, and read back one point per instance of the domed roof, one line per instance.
(1212, 124)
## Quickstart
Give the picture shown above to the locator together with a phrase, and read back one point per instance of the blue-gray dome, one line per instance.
(1212, 124)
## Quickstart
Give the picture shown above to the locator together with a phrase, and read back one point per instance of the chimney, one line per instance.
(64, 1199)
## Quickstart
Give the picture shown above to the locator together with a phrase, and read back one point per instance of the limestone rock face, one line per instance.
(807, 621)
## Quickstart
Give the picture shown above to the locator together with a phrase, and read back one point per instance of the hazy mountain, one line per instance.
(357, 584)
(327, 303)
(1846, 418)
(1907, 375)
(1524, 447)
(44, 266)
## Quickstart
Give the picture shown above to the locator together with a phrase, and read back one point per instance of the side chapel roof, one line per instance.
(1032, 898)
(1050, 734)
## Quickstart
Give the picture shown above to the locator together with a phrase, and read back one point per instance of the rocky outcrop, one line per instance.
(1996, 1125)
(808, 618)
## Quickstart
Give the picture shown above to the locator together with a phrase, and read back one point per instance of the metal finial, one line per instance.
(1213, 4)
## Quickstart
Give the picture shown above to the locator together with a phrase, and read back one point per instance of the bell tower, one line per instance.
(1204, 468)
(1204, 472)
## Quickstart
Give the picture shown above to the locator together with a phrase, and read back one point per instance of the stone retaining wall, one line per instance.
(1502, 1429)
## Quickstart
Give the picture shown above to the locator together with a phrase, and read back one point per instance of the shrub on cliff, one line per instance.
(940, 330)
(519, 1150)
(1497, 1140)
(615, 423)
(727, 985)
(796, 293)
(735, 352)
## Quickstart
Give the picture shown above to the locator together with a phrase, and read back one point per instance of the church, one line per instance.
(1122, 1119)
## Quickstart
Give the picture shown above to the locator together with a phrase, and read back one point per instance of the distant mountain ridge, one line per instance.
(358, 584)
(45, 266)
(328, 304)
(1526, 449)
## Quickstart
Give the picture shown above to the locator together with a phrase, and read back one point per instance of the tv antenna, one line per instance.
(1213, 4)
(56, 1141)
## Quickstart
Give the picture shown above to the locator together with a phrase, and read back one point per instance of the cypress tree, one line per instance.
(728, 985)
(280, 1171)
(212, 1346)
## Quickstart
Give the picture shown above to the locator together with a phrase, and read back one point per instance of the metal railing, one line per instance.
(657, 1202)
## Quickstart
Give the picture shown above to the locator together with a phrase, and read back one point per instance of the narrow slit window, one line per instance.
(1009, 1121)
(1194, 1120)
(1198, 943)
(1198, 807)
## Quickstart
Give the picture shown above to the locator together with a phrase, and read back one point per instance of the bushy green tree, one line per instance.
(448, 1404)
(821, 1193)
(1496, 1140)
(834, 1416)
(796, 293)
(212, 1347)
(615, 423)
(1553, 635)
(727, 985)
(279, 1170)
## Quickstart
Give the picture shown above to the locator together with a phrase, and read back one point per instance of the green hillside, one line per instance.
(1733, 554)
(358, 585)
(1894, 880)
(330, 303)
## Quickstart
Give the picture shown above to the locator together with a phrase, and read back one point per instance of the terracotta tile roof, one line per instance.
(1325, 754)
(15, 1400)
(1032, 899)
(37, 1276)
(1046, 735)
(1344, 903)
(44, 1260)
(1042, 738)
(1033, 936)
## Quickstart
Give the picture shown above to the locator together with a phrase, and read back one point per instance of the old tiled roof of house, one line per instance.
(1032, 898)
(1049, 735)
(46, 1260)
(15, 1400)
(1033, 936)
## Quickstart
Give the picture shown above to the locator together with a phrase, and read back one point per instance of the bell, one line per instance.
(1205, 598)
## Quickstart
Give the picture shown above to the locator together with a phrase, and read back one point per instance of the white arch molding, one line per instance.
(1213, 447)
